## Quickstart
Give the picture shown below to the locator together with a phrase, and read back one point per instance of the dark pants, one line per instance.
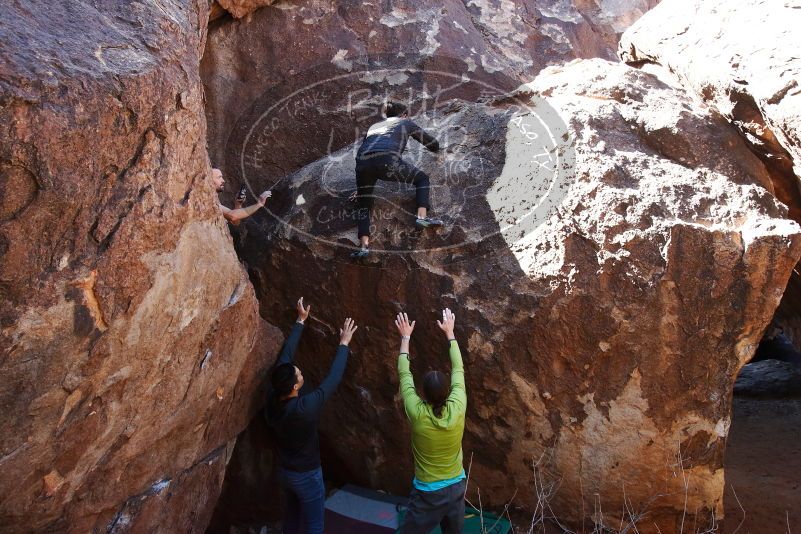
(390, 168)
(427, 509)
(305, 501)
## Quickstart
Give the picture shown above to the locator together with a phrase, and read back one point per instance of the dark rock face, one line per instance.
(250, 494)
(131, 347)
(589, 285)
(769, 379)
(502, 42)
(788, 316)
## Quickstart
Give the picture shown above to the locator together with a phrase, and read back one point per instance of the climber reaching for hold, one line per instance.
(234, 216)
(437, 421)
(379, 158)
(293, 413)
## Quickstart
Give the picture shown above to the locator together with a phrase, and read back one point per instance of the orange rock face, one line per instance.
(123, 308)
(613, 251)
(240, 8)
(750, 80)
(609, 278)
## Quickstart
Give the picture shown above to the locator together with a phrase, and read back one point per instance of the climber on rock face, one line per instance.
(437, 421)
(379, 158)
(293, 412)
(237, 214)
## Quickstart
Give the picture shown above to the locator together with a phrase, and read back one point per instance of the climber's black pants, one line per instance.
(391, 168)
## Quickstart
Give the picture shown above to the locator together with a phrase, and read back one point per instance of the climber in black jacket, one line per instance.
(379, 158)
(293, 412)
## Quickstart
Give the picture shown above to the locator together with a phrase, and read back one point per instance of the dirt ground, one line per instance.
(763, 467)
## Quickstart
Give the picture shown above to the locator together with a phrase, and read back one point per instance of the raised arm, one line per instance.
(423, 137)
(411, 401)
(238, 214)
(458, 393)
(314, 401)
(291, 343)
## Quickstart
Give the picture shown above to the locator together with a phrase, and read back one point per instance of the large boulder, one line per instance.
(613, 254)
(741, 58)
(131, 347)
(769, 379)
(306, 41)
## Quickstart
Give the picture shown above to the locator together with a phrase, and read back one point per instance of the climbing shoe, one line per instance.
(425, 222)
(361, 253)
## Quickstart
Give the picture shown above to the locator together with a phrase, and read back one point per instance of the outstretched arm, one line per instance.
(314, 401)
(238, 214)
(458, 393)
(410, 398)
(423, 137)
(291, 343)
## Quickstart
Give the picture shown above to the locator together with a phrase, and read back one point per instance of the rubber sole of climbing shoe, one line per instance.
(428, 222)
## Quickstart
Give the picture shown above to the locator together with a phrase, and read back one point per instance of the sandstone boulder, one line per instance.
(503, 42)
(240, 8)
(741, 58)
(131, 347)
(613, 254)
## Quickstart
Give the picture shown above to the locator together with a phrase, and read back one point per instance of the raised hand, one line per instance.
(346, 332)
(303, 313)
(447, 323)
(404, 326)
(264, 196)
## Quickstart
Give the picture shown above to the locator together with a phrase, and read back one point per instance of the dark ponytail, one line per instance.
(436, 390)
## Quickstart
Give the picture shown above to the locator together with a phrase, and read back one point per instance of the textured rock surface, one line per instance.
(182, 503)
(251, 492)
(496, 40)
(131, 346)
(769, 379)
(597, 345)
(240, 8)
(719, 50)
(789, 313)
(740, 57)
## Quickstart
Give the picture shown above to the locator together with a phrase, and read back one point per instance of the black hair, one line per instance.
(436, 390)
(283, 380)
(394, 109)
